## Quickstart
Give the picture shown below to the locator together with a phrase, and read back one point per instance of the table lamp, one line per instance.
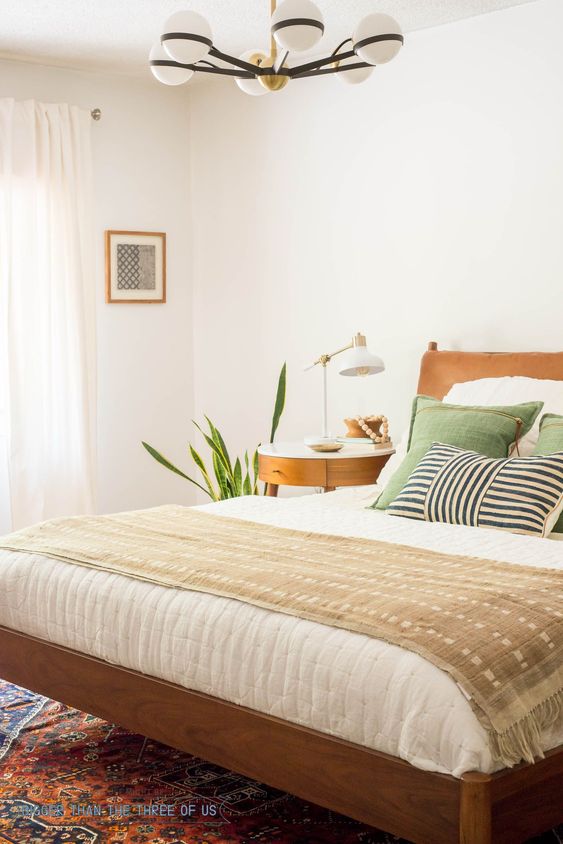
(358, 360)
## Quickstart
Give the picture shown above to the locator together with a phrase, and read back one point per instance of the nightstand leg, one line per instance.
(329, 488)
(272, 490)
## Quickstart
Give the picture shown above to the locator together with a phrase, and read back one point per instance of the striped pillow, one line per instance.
(518, 494)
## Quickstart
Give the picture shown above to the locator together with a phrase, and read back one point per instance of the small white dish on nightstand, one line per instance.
(321, 444)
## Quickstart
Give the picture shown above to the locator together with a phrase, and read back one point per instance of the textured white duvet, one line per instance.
(346, 684)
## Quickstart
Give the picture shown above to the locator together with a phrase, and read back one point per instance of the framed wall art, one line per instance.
(135, 267)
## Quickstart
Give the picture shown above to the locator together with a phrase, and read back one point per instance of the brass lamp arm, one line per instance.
(325, 359)
(357, 340)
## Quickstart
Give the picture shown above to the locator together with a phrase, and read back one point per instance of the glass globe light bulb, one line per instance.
(167, 73)
(297, 25)
(370, 42)
(252, 86)
(355, 76)
(193, 37)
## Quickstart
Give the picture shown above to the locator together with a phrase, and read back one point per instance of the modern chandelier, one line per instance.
(186, 46)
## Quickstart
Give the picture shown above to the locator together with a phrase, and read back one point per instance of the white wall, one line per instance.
(425, 204)
(141, 169)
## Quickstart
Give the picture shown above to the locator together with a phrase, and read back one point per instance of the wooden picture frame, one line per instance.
(135, 267)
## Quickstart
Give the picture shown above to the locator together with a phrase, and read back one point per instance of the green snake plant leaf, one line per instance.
(246, 486)
(219, 441)
(237, 472)
(255, 473)
(217, 450)
(221, 477)
(201, 466)
(168, 465)
(280, 402)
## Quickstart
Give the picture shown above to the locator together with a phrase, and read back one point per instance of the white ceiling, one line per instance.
(116, 35)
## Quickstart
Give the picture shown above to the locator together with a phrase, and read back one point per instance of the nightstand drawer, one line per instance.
(281, 470)
(355, 471)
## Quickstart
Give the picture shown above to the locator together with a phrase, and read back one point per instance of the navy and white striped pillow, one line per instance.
(518, 494)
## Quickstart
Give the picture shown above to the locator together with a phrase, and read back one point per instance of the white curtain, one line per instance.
(47, 311)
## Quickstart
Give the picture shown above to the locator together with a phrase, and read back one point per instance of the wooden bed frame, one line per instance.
(381, 790)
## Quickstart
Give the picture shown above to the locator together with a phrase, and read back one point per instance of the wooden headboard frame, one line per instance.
(440, 370)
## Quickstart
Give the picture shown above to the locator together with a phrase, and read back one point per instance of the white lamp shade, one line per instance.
(375, 27)
(194, 37)
(360, 361)
(167, 74)
(356, 76)
(251, 86)
(297, 25)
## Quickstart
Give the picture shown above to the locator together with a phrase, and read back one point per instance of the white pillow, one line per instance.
(514, 389)
(394, 461)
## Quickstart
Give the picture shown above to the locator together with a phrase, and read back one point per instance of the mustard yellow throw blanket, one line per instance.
(496, 628)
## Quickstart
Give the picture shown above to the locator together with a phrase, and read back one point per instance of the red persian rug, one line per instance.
(69, 778)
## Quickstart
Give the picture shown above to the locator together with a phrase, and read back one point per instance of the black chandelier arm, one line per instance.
(170, 63)
(335, 57)
(254, 69)
(222, 71)
(342, 43)
(323, 71)
(200, 68)
(278, 65)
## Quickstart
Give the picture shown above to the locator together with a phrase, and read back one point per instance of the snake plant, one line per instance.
(225, 479)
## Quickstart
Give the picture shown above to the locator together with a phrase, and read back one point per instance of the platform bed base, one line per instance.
(380, 790)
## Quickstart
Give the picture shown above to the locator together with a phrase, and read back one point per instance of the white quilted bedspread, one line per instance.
(341, 683)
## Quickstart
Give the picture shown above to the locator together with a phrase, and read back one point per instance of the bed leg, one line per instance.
(475, 809)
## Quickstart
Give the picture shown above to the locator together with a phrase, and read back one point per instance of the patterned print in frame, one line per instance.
(135, 267)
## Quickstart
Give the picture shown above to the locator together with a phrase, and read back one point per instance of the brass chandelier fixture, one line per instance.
(186, 46)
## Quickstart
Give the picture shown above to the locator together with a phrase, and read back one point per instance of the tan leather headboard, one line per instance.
(439, 370)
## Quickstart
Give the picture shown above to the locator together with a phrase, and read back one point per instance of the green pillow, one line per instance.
(487, 430)
(550, 440)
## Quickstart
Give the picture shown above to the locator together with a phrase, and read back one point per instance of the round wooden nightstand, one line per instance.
(294, 464)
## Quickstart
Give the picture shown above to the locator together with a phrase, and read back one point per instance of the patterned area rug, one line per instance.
(69, 778)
